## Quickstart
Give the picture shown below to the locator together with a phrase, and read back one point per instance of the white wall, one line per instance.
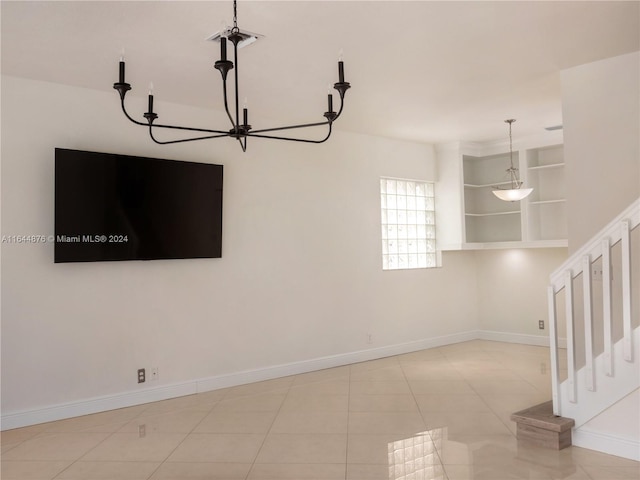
(300, 277)
(512, 290)
(601, 117)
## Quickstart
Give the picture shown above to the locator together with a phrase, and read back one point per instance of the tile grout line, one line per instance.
(110, 434)
(487, 404)
(84, 454)
(346, 453)
(185, 437)
(253, 463)
(424, 420)
(522, 379)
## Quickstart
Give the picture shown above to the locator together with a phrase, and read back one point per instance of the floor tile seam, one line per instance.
(585, 472)
(161, 463)
(21, 441)
(515, 372)
(526, 380)
(308, 463)
(490, 409)
(346, 453)
(44, 461)
(170, 412)
(147, 406)
(84, 455)
(253, 394)
(229, 390)
(424, 420)
(12, 447)
(266, 435)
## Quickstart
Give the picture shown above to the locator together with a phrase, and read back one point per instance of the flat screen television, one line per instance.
(119, 207)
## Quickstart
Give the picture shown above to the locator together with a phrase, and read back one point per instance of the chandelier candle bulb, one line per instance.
(121, 78)
(151, 98)
(223, 49)
(245, 116)
(341, 71)
(330, 102)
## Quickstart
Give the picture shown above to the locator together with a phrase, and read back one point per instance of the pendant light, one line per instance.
(515, 192)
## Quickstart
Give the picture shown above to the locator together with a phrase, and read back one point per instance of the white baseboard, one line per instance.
(305, 366)
(618, 446)
(94, 405)
(88, 406)
(537, 340)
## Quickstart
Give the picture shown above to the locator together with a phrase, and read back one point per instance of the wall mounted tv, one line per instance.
(119, 207)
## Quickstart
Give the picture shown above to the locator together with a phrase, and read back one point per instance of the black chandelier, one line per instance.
(239, 131)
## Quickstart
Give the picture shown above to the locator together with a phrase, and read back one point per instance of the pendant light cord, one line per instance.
(515, 181)
(510, 142)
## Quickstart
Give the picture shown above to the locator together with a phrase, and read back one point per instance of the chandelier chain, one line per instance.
(235, 18)
(510, 143)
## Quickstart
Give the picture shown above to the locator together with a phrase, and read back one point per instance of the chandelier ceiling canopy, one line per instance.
(240, 127)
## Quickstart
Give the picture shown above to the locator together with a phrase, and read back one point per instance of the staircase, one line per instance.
(591, 297)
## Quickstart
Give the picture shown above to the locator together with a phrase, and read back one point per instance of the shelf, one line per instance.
(541, 202)
(515, 212)
(542, 167)
(550, 156)
(488, 185)
(486, 171)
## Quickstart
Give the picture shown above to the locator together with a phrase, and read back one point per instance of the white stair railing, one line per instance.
(608, 377)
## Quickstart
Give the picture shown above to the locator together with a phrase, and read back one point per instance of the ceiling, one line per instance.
(423, 71)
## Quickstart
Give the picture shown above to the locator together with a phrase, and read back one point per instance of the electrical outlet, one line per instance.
(369, 339)
(141, 375)
(142, 430)
(596, 274)
(541, 324)
(154, 374)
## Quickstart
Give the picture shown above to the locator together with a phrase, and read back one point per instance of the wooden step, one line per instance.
(538, 425)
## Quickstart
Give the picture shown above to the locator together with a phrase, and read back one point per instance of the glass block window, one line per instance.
(408, 224)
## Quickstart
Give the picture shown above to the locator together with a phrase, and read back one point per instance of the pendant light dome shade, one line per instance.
(512, 195)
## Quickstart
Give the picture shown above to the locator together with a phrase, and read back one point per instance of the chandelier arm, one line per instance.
(182, 140)
(305, 125)
(304, 140)
(339, 110)
(126, 114)
(221, 133)
(289, 127)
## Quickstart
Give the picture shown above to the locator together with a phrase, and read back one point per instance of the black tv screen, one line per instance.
(119, 207)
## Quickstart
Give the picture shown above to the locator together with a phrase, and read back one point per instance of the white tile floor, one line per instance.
(432, 415)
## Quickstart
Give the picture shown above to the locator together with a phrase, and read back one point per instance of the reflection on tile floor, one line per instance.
(438, 414)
